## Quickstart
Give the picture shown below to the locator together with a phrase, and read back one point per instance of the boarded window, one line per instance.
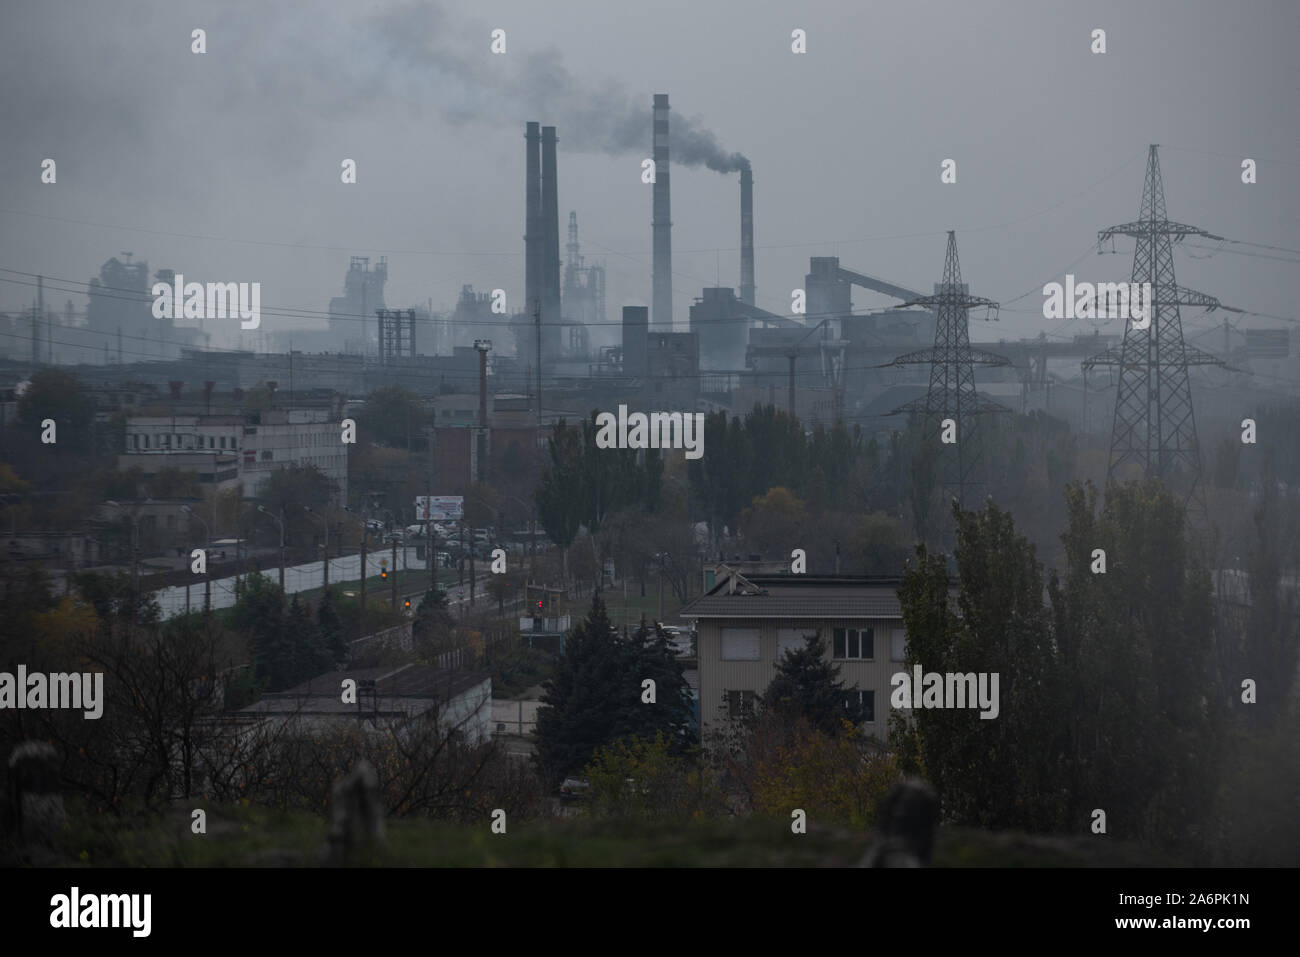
(740, 644)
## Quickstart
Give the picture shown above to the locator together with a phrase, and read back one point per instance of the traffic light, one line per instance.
(383, 573)
(539, 604)
(408, 604)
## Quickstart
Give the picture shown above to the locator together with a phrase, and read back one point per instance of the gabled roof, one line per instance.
(798, 596)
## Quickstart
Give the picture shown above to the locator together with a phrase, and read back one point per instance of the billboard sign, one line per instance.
(439, 508)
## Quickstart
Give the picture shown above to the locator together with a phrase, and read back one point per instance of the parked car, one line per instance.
(574, 789)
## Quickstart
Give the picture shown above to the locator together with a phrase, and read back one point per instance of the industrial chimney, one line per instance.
(661, 224)
(483, 346)
(551, 245)
(634, 340)
(747, 235)
(532, 216)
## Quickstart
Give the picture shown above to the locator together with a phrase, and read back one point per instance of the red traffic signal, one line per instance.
(539, 603)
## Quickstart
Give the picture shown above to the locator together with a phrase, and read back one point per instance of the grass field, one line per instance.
(243, 836)
(629, 613)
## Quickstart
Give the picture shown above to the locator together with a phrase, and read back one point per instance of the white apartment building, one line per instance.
(294, 437)
(258, 444)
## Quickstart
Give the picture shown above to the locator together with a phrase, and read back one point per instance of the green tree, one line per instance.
(174, 483)
(55, 394)
(672, 713)
(395, 417)
(807, 685)
(285, 491)
(308, 655)
(259, 615)
(1000, 626)
(773, 521)
(330, 625)
(433, 630)
(559, 497)
(582, 698)
(880, 546)
(639, 778)
(596, 695)
(1137, 643)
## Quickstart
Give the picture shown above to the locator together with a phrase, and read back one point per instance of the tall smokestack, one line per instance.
(532, 216)
(634, 340)
(747, 235)
(661, 223)
(551, 244)
(482, 345)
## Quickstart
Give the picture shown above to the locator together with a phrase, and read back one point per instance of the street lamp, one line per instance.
(278, 521)
(135, 555)
(365, 535)
(207, 540)
(325, 522)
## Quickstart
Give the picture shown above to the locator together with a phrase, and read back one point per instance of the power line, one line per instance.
(517, 252)
(82, 288)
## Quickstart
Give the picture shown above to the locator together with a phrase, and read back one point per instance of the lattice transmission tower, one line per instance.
(1154, 432)
(952, 392)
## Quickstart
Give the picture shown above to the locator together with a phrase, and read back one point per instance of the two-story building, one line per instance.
(746, 623)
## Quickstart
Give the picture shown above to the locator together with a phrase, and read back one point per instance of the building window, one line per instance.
(896, 641)
(740, 644)
(266, 455)
(740, 704)
(792, 639)
(862, 701)
(852, 644)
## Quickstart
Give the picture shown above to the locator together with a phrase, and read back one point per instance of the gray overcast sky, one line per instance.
(244, 143)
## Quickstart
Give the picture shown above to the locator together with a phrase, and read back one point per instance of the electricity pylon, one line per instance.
(1154, 433)
(952, 392)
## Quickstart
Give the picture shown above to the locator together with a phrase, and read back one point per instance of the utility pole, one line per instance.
(365, 535)
(325, 522)
(207, 587)
(428, 512)
(49, 326)
(135, 559)
(794, 353)
(394, 574)
(483, 346)
(281, 549)
(280, 522)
